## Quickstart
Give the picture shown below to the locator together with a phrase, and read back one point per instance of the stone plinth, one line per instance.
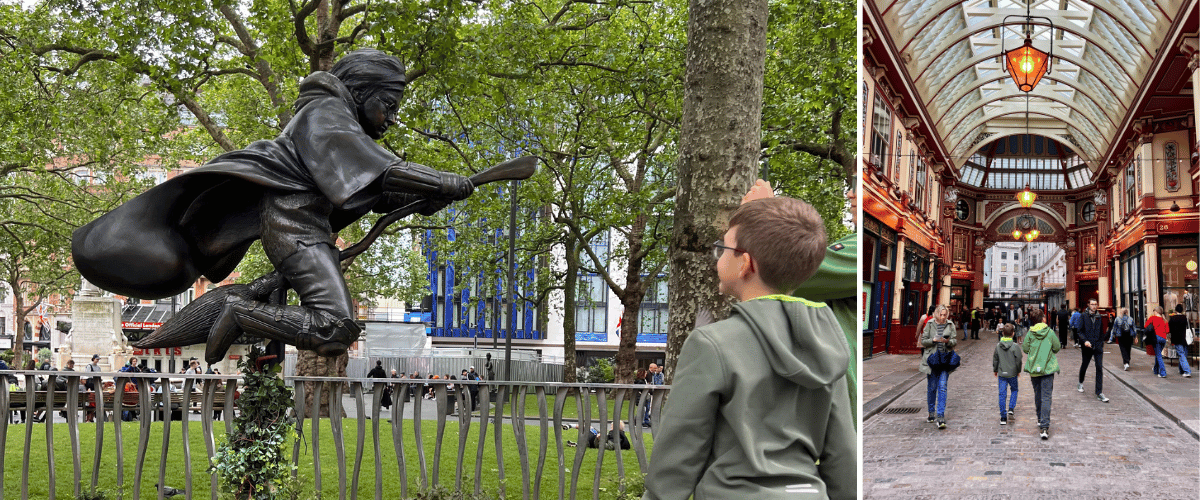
(96, 329)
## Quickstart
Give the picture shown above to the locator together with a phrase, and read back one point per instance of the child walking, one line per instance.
(1006, 364)
(1041, 344)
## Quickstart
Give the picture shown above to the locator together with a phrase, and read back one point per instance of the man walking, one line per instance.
(1064, 318)
(1091, 332)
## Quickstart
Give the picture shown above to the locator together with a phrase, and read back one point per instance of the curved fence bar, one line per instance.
(48, 418)
(518, 424)
(420, 443)
(298, 398)
(376, 404)
(584, 407)
(485, 397)
(188, 387)
(402, 395)
(560, 400)
(316, 434)
(465, 407)
(498, 421)
(440, 399)
(153, 401)
(356, 391)
(601, 440)
(618, 401)
(146, 416)
(166, 402)
(339, 442)
(73, 430)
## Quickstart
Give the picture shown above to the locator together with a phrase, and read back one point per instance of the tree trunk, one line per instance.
(571, 283)
(627, 350)
(19, 316)
(718, 152)
(309, 364)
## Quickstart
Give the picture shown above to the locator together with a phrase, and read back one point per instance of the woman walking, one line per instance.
(1122, 329)
(937, 336)
(1041, 346)
(1156, 324)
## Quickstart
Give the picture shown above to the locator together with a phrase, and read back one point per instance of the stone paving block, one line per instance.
(1122, 449)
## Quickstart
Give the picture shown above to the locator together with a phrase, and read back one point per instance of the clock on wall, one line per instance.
(962, 210)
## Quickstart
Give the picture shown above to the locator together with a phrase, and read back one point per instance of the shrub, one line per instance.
(252, 464)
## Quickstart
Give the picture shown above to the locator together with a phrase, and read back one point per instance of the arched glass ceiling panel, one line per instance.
(1113, 40)
(1079, 176)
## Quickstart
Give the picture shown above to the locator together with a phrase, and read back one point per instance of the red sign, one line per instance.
(139, 325)
(158, 352)
(235, 357)
(920, 287)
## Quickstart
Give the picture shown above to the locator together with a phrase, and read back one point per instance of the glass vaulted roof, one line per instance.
(1013, 162)
(1102, 51)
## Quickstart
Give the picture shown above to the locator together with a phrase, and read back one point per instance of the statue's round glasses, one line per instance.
(719, 248)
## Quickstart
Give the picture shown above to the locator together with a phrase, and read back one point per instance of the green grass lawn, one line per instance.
(39, 476)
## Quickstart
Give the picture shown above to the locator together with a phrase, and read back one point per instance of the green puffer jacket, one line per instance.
(1040, 346)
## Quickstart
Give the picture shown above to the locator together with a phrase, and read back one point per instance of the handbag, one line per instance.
(943, 360)
(1190, 336)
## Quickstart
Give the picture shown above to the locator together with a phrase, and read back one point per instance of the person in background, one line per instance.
(1091, 331)
(1041, 363)
(938, 335)
(1177, 325)
(1123, 330)
(1006, 366)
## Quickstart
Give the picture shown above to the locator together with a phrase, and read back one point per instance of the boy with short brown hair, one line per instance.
(763, 396)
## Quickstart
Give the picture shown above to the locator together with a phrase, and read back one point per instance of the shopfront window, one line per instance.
(1179, 280)
(1133, 283)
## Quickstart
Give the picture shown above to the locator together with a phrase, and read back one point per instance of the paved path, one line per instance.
(1127, 448)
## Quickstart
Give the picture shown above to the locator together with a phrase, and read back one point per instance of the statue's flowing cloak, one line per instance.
(203, 221)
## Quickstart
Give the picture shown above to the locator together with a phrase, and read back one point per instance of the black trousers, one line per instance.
(1097, 352)
(1125, 341)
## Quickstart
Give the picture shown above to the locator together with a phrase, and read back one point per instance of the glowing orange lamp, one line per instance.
(1026, 197)
(1027, 65)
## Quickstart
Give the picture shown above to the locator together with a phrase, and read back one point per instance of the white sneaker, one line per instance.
(1126, 366)
(1080, 389)
(1187, 375)
(1045, 434)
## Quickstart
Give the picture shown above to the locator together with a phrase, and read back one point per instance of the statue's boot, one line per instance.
(308, 329)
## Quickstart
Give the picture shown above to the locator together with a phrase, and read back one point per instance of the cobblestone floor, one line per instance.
(1121, 449)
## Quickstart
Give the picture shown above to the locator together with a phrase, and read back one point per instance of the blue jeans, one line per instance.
(1159, 367)
(1043, 392)
(935, 391)
(1182, 350)
(1007, 383)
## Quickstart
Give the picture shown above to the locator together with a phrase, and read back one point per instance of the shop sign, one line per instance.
(178, 351)
(139, 325)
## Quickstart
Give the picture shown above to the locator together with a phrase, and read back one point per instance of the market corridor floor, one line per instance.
(1121, 449)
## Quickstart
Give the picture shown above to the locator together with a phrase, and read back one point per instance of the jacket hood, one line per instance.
(802, 340)
(1039, 331)
(1006, 344)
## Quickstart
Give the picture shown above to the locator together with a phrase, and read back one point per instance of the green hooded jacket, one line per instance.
(757, 400)
(1040, 346)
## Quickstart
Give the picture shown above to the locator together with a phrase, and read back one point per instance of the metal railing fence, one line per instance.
(208, 395)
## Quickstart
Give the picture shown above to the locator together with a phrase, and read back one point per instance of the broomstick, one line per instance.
(193, 323)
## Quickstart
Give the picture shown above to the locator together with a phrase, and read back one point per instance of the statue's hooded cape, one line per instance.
(202, 222)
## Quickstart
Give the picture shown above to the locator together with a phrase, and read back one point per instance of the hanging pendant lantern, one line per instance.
(1026, 65)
